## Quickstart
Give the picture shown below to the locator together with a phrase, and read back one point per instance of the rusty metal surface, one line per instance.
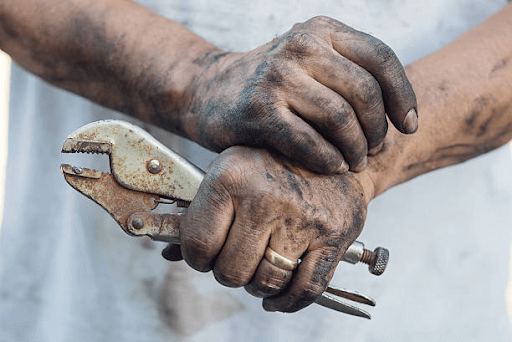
(84, 146)
(159, 227)
(80, 171)
(133, 153)
(118, 201)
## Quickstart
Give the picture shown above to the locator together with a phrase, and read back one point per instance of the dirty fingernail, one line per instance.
(410, 124)
(362, 165)
(374, 150)
(343, 168)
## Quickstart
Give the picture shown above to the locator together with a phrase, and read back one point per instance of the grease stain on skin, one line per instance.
(295, 186)
(210, 57)
(500, 65)
(443, 86)
(448, 155)
(487, 125)
(480, 104)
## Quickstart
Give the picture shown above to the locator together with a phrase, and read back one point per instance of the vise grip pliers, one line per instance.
(145, 174)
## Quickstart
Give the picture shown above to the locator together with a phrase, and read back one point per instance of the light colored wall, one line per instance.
(5, 67)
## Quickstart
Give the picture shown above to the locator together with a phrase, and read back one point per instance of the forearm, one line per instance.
(114, 52)
(464, 96)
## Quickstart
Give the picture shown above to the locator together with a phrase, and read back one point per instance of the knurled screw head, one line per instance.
(376, 260)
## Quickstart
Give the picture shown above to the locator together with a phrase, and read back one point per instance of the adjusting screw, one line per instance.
(376, 260)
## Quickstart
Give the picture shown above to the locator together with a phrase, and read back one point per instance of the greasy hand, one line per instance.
(318, 94)
(251, 199)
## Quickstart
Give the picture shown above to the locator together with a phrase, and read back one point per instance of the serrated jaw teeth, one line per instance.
(84, 146)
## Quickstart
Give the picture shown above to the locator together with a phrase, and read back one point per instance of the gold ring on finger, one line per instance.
(280, 261)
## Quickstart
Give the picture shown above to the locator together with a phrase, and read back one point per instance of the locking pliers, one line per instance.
(145, 173)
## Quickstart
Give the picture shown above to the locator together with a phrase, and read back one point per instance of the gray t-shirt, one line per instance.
(68, 272)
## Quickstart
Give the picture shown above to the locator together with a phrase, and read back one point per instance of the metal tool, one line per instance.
(146, 173)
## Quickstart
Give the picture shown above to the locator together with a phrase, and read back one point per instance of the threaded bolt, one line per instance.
(376, 260)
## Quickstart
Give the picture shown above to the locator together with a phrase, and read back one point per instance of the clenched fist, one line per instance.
(251, 199)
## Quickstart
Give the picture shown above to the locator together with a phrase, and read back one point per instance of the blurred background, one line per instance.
(5, 68)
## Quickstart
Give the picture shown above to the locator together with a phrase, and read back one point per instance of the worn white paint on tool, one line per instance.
(5, 68)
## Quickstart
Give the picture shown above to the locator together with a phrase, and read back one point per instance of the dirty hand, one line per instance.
(318, 94)
(251, 199)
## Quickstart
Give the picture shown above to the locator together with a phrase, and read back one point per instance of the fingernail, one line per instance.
(343, 168)
(362, 165)
(374, 150)
(410, 124)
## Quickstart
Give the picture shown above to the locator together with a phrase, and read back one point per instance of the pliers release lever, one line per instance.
(145, 173)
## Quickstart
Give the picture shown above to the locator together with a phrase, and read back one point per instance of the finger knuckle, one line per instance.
(338, 115)
(344, 124)
(276, 73)
(224, 175)
(367, 91)
(300, 39)
(300, 45)
(383, 54)
(320, 19)
(299, 26)
(323, 20)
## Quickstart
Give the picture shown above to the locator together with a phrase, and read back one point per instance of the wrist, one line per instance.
(368, 185)
(169, 87)
(213, 90)
(389, 167)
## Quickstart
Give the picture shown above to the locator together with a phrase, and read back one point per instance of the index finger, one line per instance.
(379, 59)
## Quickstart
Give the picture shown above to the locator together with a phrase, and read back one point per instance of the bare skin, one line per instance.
(253, 198)
(319, 93)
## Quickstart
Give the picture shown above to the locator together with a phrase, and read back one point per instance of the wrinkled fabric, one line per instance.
(68, 272)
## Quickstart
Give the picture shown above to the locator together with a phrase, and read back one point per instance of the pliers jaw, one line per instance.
(145, 173)
(137, 160)
(101, 187)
